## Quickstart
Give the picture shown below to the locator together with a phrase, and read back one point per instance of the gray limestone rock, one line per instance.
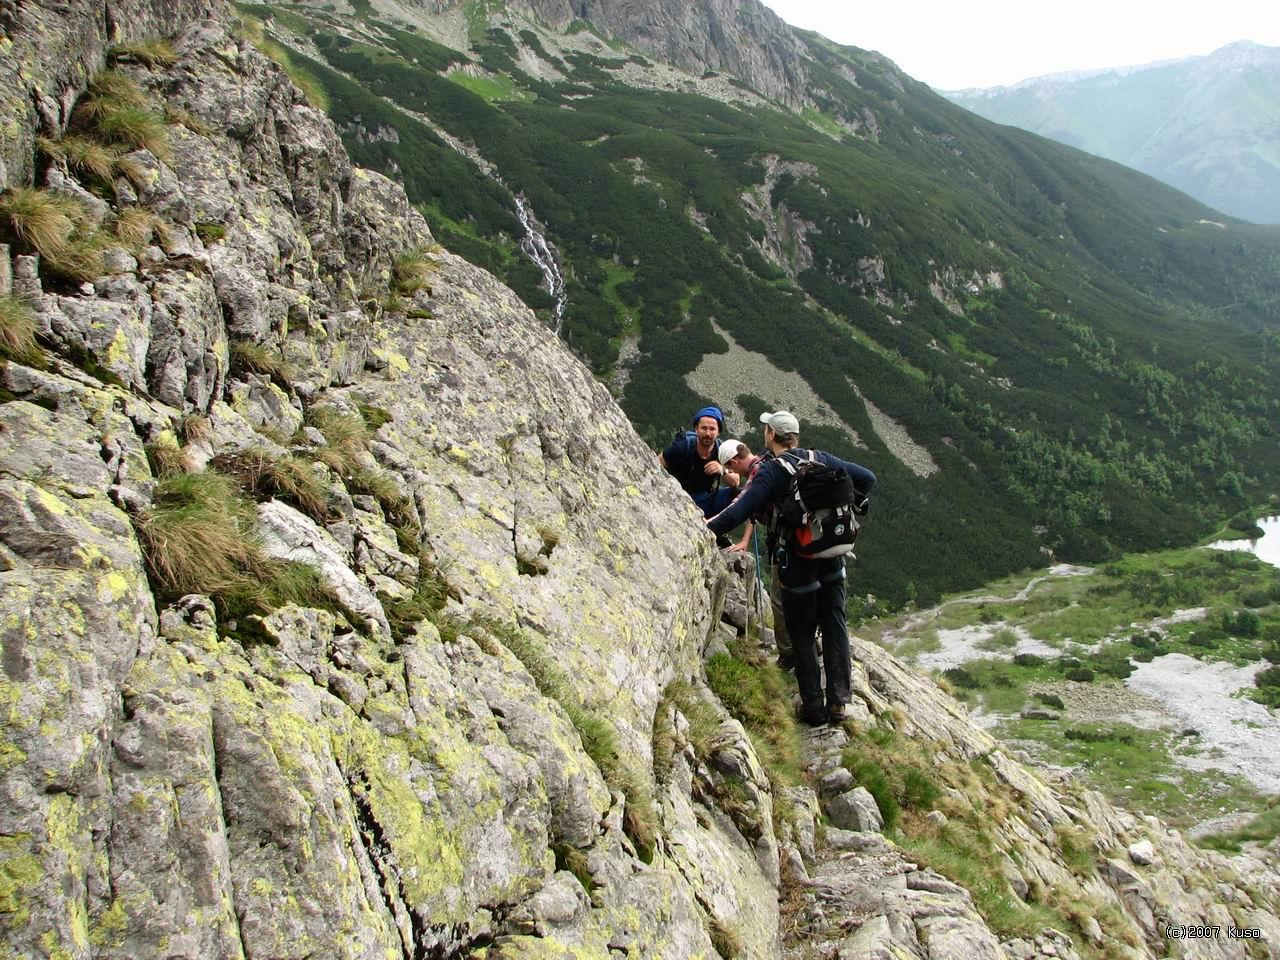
(1142, 853)
(855, 810)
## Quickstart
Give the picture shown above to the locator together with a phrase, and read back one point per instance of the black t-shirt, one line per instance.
(688, 466)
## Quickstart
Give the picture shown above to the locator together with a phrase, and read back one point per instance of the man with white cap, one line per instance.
(813, 590)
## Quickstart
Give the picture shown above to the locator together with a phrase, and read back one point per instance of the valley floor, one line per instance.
(1149, 677)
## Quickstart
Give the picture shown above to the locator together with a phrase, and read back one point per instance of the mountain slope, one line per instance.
(1206, 125)
(337, 607)
(1075, 347)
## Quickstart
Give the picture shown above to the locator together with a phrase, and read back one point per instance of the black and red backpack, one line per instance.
(818, 518)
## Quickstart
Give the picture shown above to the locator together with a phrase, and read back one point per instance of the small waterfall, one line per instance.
(536, 248)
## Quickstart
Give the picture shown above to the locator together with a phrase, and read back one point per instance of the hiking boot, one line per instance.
(811, 716)
(786, 661)
(723, 542)
(836, 712)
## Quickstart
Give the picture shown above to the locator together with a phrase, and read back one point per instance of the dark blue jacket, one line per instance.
(769, 486)
(771, 483)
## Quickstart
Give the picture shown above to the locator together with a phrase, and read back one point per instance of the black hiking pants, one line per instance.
(805, 610)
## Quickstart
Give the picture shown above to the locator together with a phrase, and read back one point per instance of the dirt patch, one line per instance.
(724, 375)
(894, 436)
(1236, 735)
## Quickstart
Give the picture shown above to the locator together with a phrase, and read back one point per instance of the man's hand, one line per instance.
(739, 547)
(712, 468)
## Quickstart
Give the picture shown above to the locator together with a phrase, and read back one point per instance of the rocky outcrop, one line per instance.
(747, 40)
(461, 736)
(49, 49)
(355, 781)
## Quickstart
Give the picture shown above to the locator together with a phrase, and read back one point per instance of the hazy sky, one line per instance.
(984, 43)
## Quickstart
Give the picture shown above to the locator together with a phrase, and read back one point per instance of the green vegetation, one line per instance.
(488, 87)
(249, 357)
(57, 228)
(289, 478)
(1096, 621)
(255, 31)
(18, 333)
(136, 227)
(39, 221)
(908, 783)
(727, 942)
(167, 459)
(412, 272)
(133, 128)
(346, 437)
(758, 694)
(85, 157)
(210, 232)
(1262, 830)
(152, 53)
(200, 536)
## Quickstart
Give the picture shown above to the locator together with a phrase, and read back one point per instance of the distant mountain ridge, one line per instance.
(1208, 125)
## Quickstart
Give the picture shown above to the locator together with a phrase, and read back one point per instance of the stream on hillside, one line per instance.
(536, 247)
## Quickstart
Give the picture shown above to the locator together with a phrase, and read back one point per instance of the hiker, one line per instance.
(813, 590)
(692, 458)
(736, 456)
(736, 459)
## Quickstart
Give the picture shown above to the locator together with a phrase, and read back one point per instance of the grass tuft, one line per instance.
(346, 437)
(167, 460)
(18, 333)
(177, 117)
(428, 602)
(80, 260)
(195, 427)
(412, 272)
(137, 227)
(200, 536)
(248, 357)
(572, 859)
(724, 938)
(288, 478)
(151, 53)
(758, 694)
(109, 91)
(39, 221)
(83, 156)
(136, 128)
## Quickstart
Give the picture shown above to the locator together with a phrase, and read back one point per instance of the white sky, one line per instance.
(952, 44)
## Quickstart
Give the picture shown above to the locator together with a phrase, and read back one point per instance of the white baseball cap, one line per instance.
(784, 421)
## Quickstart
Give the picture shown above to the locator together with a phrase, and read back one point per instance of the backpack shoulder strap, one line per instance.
(788, 462)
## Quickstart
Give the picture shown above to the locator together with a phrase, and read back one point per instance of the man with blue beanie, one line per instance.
(692, 458)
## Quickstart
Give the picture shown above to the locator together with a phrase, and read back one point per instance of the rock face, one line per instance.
(452, 749)
(326, 784)
(747, 39)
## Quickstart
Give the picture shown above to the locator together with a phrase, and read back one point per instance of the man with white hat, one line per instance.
(813, 590)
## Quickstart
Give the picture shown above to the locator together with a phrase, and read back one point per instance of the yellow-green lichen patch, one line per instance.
(20, 871)
(429, 855)
(109, 927)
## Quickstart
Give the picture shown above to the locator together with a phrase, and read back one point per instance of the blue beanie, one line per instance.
(713, 412)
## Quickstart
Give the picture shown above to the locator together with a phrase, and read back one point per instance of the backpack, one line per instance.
(819, 514)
